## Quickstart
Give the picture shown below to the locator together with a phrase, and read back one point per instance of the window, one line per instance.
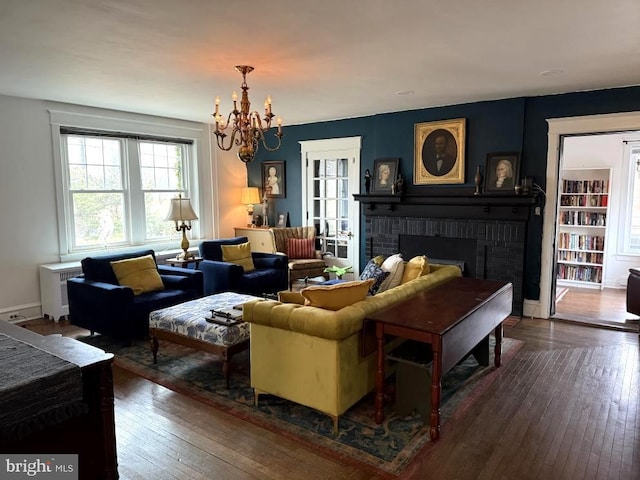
(117, 188)
(631, 223)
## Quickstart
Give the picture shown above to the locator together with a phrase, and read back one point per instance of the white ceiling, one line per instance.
(319, 60)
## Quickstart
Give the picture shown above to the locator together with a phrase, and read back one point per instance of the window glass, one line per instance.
(118, 199)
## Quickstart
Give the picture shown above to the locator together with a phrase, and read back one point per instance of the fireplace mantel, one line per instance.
(485, 206)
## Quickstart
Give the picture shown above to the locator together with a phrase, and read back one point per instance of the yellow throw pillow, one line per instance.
(415, 268)
(287, 296)
(335, 297)
(239, 254)
(140, 274)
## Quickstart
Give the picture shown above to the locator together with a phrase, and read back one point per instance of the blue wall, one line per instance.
(513, 125)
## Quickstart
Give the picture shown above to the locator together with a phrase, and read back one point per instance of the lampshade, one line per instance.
(181, 210)
(249, 196)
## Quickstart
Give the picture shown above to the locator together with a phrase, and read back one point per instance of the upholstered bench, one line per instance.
(186, 325)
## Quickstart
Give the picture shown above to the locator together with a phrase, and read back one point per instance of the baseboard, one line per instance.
(20, 313)
(531, 308)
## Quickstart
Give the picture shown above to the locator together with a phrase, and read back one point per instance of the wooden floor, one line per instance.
(605, 308)
(565, 407)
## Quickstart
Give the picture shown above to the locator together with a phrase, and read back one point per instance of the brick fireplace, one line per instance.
(486, 234)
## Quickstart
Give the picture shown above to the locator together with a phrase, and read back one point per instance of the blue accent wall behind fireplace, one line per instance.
(511, 125)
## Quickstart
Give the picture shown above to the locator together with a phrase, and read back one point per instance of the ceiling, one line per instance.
(319, 60)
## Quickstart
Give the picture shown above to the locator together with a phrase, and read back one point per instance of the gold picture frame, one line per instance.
(439, 152)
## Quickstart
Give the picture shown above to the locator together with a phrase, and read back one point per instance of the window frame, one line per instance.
(624, 240)
(137, 131)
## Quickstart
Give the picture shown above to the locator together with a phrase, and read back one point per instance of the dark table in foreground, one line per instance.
(91, 436)
(455, 318)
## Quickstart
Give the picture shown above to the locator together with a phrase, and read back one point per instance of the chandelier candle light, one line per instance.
(182, 212)
(248, 128)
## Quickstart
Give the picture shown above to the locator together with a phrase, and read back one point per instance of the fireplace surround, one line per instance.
(487, 233)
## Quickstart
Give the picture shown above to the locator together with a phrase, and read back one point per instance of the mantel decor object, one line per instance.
(502, 173)
(439, 152)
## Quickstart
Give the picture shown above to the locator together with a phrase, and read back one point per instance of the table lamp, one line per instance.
(249, 196)
(182, 213)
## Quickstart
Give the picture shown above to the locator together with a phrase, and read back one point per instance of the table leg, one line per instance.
(436, 377)
(379, 401)
(498, 347)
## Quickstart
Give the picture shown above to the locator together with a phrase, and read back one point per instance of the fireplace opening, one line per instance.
(456, 251)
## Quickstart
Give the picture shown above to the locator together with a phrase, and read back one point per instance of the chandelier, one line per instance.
(247, 128)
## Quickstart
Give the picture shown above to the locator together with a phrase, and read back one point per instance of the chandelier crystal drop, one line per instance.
(247, 128)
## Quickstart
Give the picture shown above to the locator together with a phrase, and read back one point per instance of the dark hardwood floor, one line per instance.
(565, 407)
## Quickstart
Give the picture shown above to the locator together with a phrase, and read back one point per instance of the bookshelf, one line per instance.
(582, 227)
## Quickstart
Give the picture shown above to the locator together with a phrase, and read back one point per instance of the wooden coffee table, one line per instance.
(455, 318)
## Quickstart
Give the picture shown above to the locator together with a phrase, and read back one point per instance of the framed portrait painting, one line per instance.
(282, 220)
(439, 152)
(385, 171)
(273, 179)
(501, 172)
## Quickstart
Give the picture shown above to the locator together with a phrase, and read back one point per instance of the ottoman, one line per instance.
(186, 325)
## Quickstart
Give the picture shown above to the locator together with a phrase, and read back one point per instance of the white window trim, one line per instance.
(626, 203)
(120, 124)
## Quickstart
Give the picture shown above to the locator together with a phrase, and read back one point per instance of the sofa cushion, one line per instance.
(335, 297)
(300, 248)
(306, 264)
(99, 268)
(373, 271)
(239, 254)
(212, 249)
(140, 274)
(415, 268)
(395, 266)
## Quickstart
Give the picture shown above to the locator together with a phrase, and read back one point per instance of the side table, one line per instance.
(179, 262)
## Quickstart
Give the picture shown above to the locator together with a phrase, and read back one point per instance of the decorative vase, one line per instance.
(478, 181)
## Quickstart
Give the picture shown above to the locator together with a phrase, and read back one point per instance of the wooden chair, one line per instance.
(299, 268)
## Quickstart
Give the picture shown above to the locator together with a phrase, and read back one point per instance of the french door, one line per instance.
(330, 177)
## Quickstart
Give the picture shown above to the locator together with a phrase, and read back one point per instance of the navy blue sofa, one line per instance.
(270, 275)
(98, 303)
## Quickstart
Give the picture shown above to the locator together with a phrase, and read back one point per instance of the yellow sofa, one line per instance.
(314, 356)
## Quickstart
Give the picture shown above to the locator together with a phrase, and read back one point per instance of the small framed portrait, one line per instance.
(385, 171)
(501, 172)
(273, 179)
(439, 152)
(282, 220)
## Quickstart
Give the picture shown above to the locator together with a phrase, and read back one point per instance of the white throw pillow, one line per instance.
(395, 266)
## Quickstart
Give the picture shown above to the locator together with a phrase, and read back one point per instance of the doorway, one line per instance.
(610, 304)
(330, 176)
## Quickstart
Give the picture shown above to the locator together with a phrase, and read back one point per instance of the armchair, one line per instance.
(98, 303)
(311, 266)
(269, 276)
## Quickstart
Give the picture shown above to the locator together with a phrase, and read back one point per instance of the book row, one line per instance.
(585, 186)
(584, 200)
(580, 257)
(580, 274)
(576, 241)
(573, 217)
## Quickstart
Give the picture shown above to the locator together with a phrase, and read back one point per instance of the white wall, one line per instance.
(29, 233)
(598, 151)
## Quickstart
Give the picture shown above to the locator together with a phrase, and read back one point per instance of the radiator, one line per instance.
(53, 288)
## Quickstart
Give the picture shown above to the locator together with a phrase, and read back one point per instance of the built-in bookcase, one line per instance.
(582, 227)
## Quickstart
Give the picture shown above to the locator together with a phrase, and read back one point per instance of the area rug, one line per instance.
(385, 450)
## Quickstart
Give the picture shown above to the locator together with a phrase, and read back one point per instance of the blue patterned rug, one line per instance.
(385, 449)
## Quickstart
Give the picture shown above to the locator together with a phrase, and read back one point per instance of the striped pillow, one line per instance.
(298, 248)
